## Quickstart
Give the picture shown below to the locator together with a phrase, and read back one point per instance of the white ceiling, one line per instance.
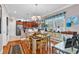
(23, 11)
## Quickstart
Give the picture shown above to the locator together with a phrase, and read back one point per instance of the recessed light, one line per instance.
(36, 4)
(15, 12)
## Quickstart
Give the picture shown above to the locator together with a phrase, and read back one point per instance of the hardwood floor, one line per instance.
(24, 47)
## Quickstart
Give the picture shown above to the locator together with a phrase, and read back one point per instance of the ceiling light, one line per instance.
(36, 18)
(15, 12)
(39, 17)
(36, 4)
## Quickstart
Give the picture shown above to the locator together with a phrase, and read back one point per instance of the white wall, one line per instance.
(0, 11)
(12, 28)
(4, 38)
(73, 11)
(4, 15)
(1, 41)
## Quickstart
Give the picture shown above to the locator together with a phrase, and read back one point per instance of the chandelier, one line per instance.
(36, 18)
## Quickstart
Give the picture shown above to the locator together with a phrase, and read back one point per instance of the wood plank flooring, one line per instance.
(24, 47)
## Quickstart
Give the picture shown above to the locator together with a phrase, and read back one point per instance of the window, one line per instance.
(54, 21)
